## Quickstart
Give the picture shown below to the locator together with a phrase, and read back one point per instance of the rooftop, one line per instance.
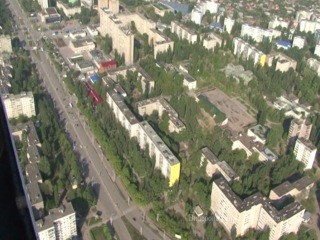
(123, 107)
(256, 199)
(82, 42)
(210, 156)
(286, 186)
(33, 154)
(158, 143)
(17, 96)
(54, 214)
(34, 193)
(33, 173)
(259, 130)
(85, 64)
(188, 30)
(173, 115)
(307, 143)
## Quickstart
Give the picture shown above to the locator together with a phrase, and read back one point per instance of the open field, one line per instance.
(236, 112)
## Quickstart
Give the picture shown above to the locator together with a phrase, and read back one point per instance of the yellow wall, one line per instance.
(263, 60)
(174, 174)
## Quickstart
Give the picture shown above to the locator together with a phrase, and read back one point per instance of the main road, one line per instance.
(113, 200)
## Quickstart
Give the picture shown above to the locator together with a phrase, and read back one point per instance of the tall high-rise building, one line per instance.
(305, 152)
(59, 224)
(299, 129)
(20, 104)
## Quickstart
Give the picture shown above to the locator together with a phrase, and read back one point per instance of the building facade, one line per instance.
(314, 64)
(298, 42)
(299, 128)
(228, 24)
(305, 152)
(183, 32)
(254, 212)
(20, 104)
(59, 224)
(256, 33)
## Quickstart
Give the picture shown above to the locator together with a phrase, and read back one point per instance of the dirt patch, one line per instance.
(235, 111)
(206, 120)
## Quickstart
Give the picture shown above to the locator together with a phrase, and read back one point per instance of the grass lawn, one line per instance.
(134, 233)
(92, 221)
(97, 233)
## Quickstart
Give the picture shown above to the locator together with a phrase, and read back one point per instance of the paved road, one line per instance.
(111, 202)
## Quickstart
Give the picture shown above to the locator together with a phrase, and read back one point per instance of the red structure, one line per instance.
(92, 94)
(107, 65)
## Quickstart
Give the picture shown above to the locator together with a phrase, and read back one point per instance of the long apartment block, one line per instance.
(161, 105)
(183, 32)
(146, 136)
(254, 212)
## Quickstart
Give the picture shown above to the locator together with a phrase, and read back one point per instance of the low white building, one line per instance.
(317, 50)
(92, 31)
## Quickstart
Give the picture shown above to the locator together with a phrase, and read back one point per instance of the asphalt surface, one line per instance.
(112, 203)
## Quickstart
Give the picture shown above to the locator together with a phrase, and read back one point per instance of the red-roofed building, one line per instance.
(106, 65)
(92, 94)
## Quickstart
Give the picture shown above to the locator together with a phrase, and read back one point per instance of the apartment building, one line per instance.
(215, 165)
(283, 62)
(299, 188)
(278, 22)
(256, 33)
(122, 113)
(60, 224)
(309, 26)
(5, 44)
(298, 42)
(317, 36)
(146, 81)
(302, 14)
(82, 45)
(68, 11)
(36, 200)
(183, 32)
(258, 133)
(299, 128)
(246, 143)
(211, 40)
(159, 104)
(20, 104)
(168, 164)
(228, 24)
(246, 51)
(305, 152)
(123, 38)
(314, 65)
(254, 212)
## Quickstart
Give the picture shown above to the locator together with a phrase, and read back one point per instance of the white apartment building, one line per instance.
(5, 44)
(283, 62)
(211, 40)
(228, 24)
(299, 128)
(43, 3)
(317, 36)
(246, 51)
(254, 212)
(20, 104)
(301, 15)
(123, 113)
(146, 136)
(166, 161)
(59, 224)
(256, 33)
(159, 104)
(298, 42)
(317, 50)
(309, 26)
(314, 65)
(305, 152)
(183, 32)
(200, 9)
(278, 22)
